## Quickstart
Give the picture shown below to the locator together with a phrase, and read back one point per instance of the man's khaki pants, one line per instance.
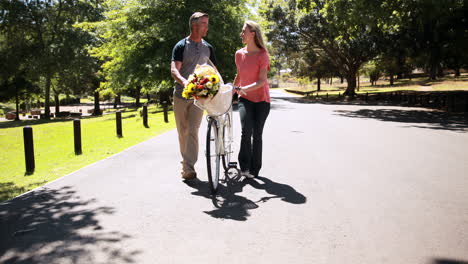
(188, 118)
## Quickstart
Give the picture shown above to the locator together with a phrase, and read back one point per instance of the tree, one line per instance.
(16, 52)
(339, 28)
(437, 30)
(315, 65)
(137, 37)
(58, 42)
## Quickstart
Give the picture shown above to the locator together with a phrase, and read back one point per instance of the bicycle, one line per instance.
(219, 139)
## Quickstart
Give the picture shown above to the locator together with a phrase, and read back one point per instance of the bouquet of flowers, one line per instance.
(203, 83)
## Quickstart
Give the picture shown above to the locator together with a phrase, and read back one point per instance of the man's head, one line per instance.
(198, 24)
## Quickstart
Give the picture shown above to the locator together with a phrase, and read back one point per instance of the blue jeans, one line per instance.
(253, 117)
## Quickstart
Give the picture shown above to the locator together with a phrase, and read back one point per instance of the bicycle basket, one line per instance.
(218, 104)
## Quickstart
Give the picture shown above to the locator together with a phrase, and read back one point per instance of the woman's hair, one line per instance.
(254, 27)
(195, 17)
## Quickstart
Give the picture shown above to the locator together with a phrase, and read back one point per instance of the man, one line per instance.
(187, 53)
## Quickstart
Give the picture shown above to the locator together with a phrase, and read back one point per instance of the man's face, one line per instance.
(201, 27)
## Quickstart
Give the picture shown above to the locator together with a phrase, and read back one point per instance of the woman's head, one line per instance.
(252, 32)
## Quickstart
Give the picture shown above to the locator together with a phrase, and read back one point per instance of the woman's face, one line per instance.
(246, 35)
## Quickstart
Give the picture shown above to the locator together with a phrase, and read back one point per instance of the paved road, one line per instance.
(341, 184)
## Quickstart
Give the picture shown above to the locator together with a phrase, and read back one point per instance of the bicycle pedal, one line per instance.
(232, 164)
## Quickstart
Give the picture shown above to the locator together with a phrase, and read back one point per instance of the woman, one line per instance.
(252, 64)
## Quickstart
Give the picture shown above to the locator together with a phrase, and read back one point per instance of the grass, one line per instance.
(54, 147)
(417, 84)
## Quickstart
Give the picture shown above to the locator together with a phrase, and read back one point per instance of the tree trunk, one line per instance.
(17, 102)
(318, 84)
(391, 79)
(350, 89)
(440, 71)
(137, 97)
(97, 110)
(117, 101)
(358, 82)
(457, 72)
(47, 99)
(341, 79)
(57, 102)
(331, 80)
(433, 63)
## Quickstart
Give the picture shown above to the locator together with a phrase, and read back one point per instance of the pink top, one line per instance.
(248, 68)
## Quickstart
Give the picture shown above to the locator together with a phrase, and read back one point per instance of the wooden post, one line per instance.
(118, 123)
(77, 136)
(29, 149)
(145, 116)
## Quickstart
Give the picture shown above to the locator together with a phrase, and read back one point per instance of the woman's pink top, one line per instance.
(248, 69)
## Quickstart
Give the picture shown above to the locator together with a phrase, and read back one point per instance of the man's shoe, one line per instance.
(189, 175)
(247, 174)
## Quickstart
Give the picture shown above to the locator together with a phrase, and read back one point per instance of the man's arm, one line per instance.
(175, 68)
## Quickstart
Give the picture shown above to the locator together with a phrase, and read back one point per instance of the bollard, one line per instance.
(29, 149)
(145, 116)
(326, 97)
(367, 97)
(166, 119)
(77, 135)
(118, 123)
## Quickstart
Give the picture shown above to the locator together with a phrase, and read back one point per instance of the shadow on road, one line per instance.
(415, 118)
(448, 261)
(277, 190)
(57, 226)
(230, 205)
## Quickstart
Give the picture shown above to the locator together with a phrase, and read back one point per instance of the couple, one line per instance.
(252, 63)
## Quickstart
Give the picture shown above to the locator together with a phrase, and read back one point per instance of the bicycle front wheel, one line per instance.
(227, 132)
(212, 156)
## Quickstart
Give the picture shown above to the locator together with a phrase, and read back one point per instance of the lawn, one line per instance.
(54, 147)
(417, 84)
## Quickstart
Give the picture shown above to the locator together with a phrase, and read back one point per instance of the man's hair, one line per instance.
(195, 17)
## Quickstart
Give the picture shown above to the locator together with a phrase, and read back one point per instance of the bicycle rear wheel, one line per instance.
(212, 157)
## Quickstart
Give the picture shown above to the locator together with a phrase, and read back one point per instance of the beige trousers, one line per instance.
(188, 118)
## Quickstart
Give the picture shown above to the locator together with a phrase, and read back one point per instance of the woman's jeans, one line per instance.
(253, 117)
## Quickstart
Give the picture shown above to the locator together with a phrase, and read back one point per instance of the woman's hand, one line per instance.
(240, 90)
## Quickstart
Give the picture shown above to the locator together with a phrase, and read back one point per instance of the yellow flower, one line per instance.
(190, 87)
(214, 78)
(185, 94)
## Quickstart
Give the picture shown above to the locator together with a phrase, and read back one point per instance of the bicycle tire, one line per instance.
(227, 134)
(212, 158)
